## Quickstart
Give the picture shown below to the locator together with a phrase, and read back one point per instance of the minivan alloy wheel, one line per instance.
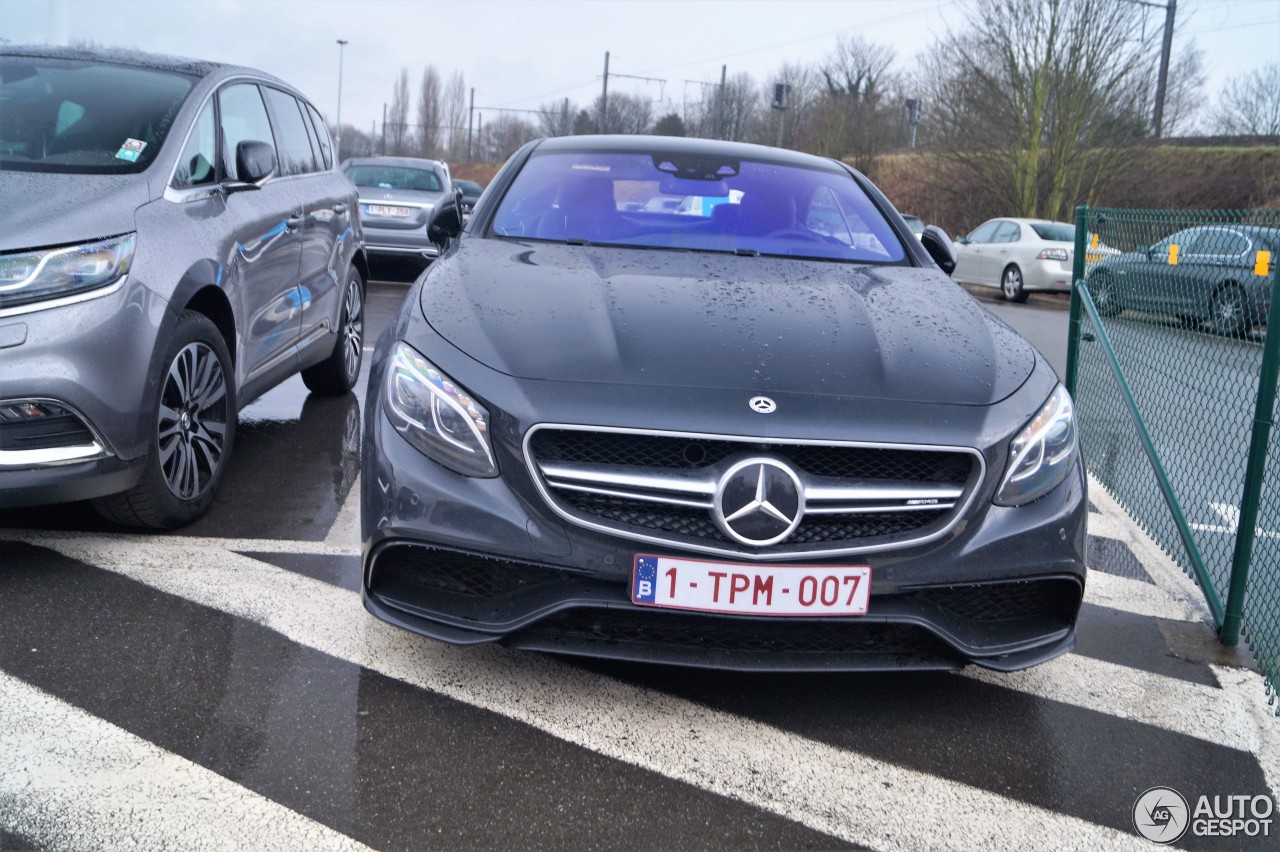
(192, 421)
(353, 329)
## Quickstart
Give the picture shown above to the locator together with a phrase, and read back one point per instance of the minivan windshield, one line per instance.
(695, 202)
(83, 117)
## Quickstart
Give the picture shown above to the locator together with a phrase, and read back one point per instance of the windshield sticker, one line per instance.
(131, 150)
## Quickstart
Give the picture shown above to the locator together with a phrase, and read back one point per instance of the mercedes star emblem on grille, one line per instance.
(758, 502)
(762, 405)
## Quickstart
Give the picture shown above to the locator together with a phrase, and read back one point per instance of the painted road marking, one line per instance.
(69, 780)
(780, 772)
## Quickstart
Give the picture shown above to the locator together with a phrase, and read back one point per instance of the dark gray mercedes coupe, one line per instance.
(713, 404)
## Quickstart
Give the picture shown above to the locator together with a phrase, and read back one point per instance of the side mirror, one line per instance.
(446, 221)
(961, 240)
(940, 248)
(255, 162)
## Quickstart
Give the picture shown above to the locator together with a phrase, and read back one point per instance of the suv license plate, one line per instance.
(694, 584)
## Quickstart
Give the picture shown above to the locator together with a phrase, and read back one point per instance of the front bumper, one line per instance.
(469, 561)
(92, 358)
(399, 241)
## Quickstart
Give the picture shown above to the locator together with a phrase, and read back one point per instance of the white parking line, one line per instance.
(69, 780)
(839, 792)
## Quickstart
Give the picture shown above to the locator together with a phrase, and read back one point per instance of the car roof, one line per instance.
(683, 145)
(117, 56)
(142, 59)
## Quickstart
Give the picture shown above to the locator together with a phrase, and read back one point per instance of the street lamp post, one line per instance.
(337, 143)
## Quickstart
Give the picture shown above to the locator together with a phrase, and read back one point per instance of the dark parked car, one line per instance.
(1213, 273)
(730, 439)
(397, 197)
(174, 241)
(471, 192)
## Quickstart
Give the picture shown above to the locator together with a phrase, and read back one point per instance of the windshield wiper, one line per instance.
(746, 252)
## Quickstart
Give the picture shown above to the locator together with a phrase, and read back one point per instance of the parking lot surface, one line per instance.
(223, 687)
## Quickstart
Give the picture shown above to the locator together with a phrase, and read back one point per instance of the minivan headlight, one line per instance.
(1042, 454)
(438, 418)
(37, 276)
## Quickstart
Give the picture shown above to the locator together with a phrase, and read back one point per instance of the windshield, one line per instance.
(83, 117)
(395, 177)
(698, 202)
(1059, 232)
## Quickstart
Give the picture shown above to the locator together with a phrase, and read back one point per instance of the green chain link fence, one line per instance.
(1174, 379)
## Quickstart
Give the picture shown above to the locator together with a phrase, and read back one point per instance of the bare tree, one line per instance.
(504, 135)
(355, 142)
(453, 108)
(429, 123)
(557, 118)
(1182, 97)
(858, 113)
(1040, 98)
(741, 107)
(397, 129)
(627, 114)
(1248, 105)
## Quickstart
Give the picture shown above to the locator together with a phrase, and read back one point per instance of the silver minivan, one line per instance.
(174, 240)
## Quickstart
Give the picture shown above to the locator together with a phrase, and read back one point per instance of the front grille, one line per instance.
(648, 485)
(642, 450)
(697, 523)
(741, 635)
(41, 426)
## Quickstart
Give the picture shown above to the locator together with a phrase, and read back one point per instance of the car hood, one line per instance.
(39, 209)
(696, 320)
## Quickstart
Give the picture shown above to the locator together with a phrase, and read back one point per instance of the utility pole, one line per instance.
(337, 143)
(720, 104)
(471, 111)
(384, 128)
(604, 95)
(1157, 121)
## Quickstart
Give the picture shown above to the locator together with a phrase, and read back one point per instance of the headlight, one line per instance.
(438, 418)
(36, 276)
(1040, 457)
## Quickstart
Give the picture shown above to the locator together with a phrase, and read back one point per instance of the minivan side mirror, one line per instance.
(446, 221)
(255, 162)
(940, 248)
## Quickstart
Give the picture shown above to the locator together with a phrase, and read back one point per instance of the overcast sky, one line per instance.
(523, 54)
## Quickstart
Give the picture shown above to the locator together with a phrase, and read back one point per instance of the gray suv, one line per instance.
(174, 241)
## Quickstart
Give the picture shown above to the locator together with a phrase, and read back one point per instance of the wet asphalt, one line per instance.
(377, 736)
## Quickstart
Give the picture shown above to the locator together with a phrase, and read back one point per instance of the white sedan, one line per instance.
(1017, 255)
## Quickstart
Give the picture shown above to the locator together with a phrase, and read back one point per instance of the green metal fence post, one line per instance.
(1254, 472)
(1073, 321)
